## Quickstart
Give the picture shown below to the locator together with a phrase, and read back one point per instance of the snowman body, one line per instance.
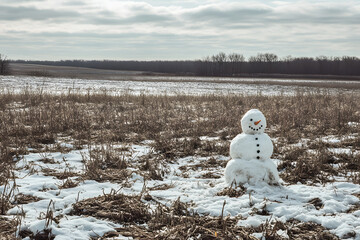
(250, 152)
(251, 146)
(253, 172)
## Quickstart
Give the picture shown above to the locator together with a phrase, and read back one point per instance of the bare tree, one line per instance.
(219, 59)
(264, 57)
(287, 58)
(236, 59)
(270, 57)
(4, 65)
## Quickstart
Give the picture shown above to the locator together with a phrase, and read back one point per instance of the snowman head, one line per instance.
(253, 122)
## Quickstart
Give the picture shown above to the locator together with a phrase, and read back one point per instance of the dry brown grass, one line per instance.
(37, 118)
(24, 199)
(8, 228)
(175, 123)
(232, 192)
(115, 207)
(106, 163)
(178, 221)
(174, 222)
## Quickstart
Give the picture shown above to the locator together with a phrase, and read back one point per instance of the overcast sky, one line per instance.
(176, 30)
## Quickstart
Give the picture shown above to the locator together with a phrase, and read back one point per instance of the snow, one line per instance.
(282, 202)
(347, 151)
(353, 124)
(169, 85)
(75, 227)
(206, 138)
(252, 221)
(33, 182)
(250, 146)
(252, 171)
(336, 139)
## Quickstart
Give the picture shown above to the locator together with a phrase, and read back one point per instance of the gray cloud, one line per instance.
(141, 18)
(18, 13)
(160, 31)
(271, 15)
(231, 16)
(20, 1)
(215, 14)
(75, 3)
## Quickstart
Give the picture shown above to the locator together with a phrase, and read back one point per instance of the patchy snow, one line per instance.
(206, 138)
(347, 151)
(170, 85)
(353, 124)
(75, 227)
(336, 139)
(32, 181)
(282, 202)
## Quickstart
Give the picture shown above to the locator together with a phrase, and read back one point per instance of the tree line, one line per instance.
(233, 64)
(269, 63)
(4, 65)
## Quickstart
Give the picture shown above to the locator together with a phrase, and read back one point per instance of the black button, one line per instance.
(258, 157)
(249, 126)
(257, 145)
(258, 151)
(256, 138)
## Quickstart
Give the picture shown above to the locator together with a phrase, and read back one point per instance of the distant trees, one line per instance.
(268, 63)
(220, 64)
(4, 65)
(264, 57)
(233, 64)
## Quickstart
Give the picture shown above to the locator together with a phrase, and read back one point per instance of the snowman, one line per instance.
(250, 152)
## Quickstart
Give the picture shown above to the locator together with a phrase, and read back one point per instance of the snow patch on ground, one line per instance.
(31, 181)
(282, 203)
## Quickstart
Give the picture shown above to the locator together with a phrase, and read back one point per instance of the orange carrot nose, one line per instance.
(256, 123)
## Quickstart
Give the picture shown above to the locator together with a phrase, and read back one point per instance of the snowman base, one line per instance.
(253, 172)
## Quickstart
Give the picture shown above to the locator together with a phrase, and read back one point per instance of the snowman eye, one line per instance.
(250, 119)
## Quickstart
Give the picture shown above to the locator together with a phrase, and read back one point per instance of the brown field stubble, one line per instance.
(175, 124)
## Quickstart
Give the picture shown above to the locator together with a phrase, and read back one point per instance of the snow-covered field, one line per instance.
(156, 85)
(282, 203)
(50, 180)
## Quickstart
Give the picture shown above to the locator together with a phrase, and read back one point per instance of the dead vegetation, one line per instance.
(8, 194)
(106, 164)
(179, 221)
(115, 207)
(46, 233)
(24, 199)
(306, 231)
(173, 222)
(39, 117)
(175, 124)
(231, 191)
(318, 165)
(43, 235)
(8, 228)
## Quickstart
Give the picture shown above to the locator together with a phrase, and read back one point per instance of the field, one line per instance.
(87, 164)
